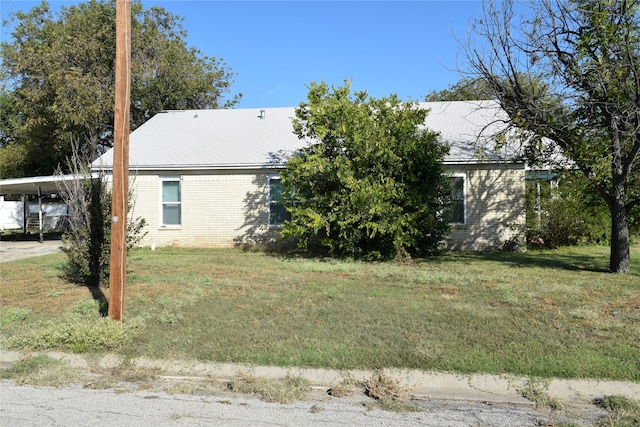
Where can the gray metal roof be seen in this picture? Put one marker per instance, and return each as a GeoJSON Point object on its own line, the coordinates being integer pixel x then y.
{"type": "Point", "coordinates": [240, 138]}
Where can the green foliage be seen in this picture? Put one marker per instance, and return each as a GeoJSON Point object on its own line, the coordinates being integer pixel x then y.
{"type": "Point", "coordinates": [566, 73]}
{"type": "Point", "coordinates": [88, 307]}
{"type": "Point", "coordinates": [14, 315]}
{"type": "Point", "coordinates": [60, 68]}
{"type": "Point", "coordinates": [571, 213]}
{"type": "Point", "coordinates": [79, 333]}
{"type": "Point", "coordinates": [370, 184]}
{"type": "Point", "coordinates": [466, 89]}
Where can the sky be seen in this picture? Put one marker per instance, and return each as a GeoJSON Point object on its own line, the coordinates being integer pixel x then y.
{"type": "Point", "coordinates": [276, 48]}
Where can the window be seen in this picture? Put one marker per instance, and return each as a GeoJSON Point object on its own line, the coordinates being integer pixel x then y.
{"type": "Point", "coordinates": [171, 201]}
{"type": "Point", "coordinates": [277, 212]}
{"type": "Point", "coordinates": [456, 211]}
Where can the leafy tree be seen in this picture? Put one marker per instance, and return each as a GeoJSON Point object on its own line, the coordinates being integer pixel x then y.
{"type": "Point", "coordinates": [60, 77]}
{"type": "Point", "coordinates": [568, 75]}
{"type": "Point", "coordinates": [370, 184]}
{"type": "Point", "coordinates": [466, 89]}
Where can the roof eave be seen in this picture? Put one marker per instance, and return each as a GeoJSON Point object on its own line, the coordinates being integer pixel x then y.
{"type": "Point", "coordinates": [194, 167]}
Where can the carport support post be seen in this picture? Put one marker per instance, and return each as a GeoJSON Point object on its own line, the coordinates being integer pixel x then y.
{"type": "Point", "coordinates": [40, 226]}
{"type": "Point", "coordinates": [25, 214]}
{"type": "Point", "coordinates": [118, 260]}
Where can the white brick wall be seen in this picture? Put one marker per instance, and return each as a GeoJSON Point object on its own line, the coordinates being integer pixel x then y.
{"type": "Point", "coordinates": [495, 208]}
{"type": "Point", "coordinates": [230, 208]}
{"type": "Point", "coordinates": [219, 210]}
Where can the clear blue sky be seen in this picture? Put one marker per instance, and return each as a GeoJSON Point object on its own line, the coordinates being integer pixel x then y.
{"type": "Point", "coordinates": [277, 48]}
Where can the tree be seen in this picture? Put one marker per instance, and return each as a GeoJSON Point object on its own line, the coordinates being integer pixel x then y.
{"type": "Point", "coordinates": [566, 211]}
{"type": "Point", "coordinates": [370, 184]}
{"type": "Point", "coordinates": [568, 75]}
{"type": "Point", "coordinates": [466, 89]}
{"type": "Point", "coordinates": [59, 71]}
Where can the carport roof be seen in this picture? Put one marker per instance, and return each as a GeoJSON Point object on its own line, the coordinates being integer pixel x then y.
{"type": "Point", "coordinates": [30, 185]}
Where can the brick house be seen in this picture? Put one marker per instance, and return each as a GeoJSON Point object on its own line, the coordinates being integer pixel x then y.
{"type": "Point", "coordinates": [210, 178]}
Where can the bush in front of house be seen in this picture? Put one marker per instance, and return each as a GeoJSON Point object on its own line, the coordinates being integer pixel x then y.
{"type": "Point", "coordinates": [87, 241]}
{"type": "Point", "coordinates": [371, 182]}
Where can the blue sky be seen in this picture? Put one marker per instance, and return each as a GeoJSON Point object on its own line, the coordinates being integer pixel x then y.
{"type": "Point", "coordinates": [278, 48]}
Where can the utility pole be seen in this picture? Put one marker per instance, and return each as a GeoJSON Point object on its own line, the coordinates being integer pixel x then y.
{"type": "Point", "coordinates": [120, 188]}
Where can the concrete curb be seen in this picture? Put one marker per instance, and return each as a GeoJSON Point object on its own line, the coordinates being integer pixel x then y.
{"type": "Point", "coordinates": [490, 389]}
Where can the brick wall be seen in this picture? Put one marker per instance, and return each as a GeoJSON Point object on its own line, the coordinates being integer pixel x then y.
{"type": "Point", "coordinates": [230, 208]}
{"type": "Point", "coordinates": [495, 208]}
{"type": "Point", "coordinates": [219, 210]}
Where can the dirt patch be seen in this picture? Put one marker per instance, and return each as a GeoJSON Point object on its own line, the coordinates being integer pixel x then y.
{"type": "Point", "coordinates": [12, 251]}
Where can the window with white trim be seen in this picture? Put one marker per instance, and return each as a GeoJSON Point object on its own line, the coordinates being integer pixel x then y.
{"type": "Point", "coordinates": [171, 209]}
{"type": "Point", "coordinates": [457, 210]}
{"type": "Point", "coordinates": [277, 212]}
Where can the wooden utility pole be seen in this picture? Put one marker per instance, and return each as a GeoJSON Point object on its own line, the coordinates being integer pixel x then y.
{"type": "Point", "coordinates": [120, 189]}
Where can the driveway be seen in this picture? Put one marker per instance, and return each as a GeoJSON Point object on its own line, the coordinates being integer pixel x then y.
{"type": "Point", "coordinates": [11, 251]}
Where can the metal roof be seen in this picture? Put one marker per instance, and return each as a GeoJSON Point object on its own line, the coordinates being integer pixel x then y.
{"type": "Point", "coordinates": [263, 138]}
{"type": "Point", "coordinates": [30, 185]}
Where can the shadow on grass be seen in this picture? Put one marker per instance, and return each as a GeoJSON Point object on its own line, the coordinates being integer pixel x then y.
{"type": "Point", "coordinates": [101, 299]}
{"type": "Point", "coordinates": [19, 236]}
{"type": "Point", "coordinates": [96, 291]}
{"type": "Point", "coordinates": [593, 262]}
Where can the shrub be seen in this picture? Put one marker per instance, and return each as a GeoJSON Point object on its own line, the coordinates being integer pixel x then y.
{"type": "Point", "coordinates": [371, 184]}
{"type": "Point", "coordinates": [569, 213]}
{"type": "Point", "coordinates": [87, 241]}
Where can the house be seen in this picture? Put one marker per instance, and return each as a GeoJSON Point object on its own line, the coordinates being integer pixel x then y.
{"type": "Point", "coordinates": [210, 178]}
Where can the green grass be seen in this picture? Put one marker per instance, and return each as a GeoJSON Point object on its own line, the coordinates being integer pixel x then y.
{"type": "Point", "coordinates": [539, 314]}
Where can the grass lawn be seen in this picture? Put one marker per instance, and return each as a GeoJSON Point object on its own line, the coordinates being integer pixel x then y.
{"type": "Point", "coordinates": [543, 313]}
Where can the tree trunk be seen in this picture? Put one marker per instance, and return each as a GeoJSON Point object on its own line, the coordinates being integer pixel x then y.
{"type": "Point", "coordinates": [619, 260]}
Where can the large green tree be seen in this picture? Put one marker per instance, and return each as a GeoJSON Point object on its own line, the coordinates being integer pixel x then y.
{"type": "Point", "coordinates": [465, 89]}
{"type": "Point", "coordinates": [371, 183]}
{"type": "Point", "coordinates": [58, 72]}
{"type": "Point", "coordinates": [568, 74]}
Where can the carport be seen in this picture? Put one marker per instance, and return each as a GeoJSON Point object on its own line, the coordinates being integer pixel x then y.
{"type": "Point", "coordinates": [39, 186]}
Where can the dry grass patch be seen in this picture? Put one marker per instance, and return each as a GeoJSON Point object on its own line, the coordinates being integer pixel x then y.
{"type": "Point", "coordinates": [281, 390]}
{"type": "Point", "coordinates": [345, 388]}
{"type": "Point", "coordinates": [38, 284]}
{"type": "Point", "coordinates": [382, 386]}
{"type": "Point", "coordinates": [42, 370]}
{"type": "Point", "coordinates": [537, 392]}
{"type": "Point", "coordinates": [389, 395]}
{"type": "Point", "coordinates": [198, 387]}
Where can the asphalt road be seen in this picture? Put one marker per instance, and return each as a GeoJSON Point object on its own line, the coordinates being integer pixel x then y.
{"type": "Point", "coordinates": [24, 405]}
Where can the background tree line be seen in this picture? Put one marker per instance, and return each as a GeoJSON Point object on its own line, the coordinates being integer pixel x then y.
{"type": "Point", "coordinates": [58, 80]}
